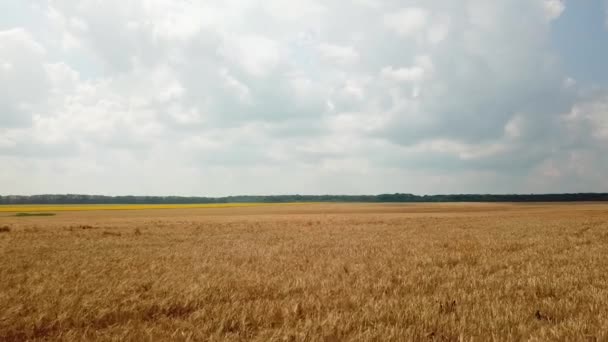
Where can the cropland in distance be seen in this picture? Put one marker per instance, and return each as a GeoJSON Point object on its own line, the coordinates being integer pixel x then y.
{"type": "Point", "coordinates": [19, 208]}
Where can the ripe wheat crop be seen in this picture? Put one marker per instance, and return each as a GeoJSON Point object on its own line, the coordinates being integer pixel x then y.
{"type": "Point", "coordinates": [94, 207]}
{"type": "Point", "coordinates": [451, 272]}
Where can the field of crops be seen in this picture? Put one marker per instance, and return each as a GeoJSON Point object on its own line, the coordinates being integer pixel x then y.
{"type": "Point", "coordinates": [318, 272]}
{"type": "Point", "coordinates": [89, 207]}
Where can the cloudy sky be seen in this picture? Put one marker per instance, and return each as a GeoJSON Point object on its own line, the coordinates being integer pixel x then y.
{"type": "Point", "coordinates": [185, 97]}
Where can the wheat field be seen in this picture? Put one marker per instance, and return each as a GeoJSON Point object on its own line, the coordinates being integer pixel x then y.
{"type": "Point", "coordinates": [316, 272]}
{"type": "Point", "coordinates": [46, 208]}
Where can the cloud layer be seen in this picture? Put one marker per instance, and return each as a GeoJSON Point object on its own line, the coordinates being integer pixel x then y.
{"type": "Point", "coordinates": [272, 97]}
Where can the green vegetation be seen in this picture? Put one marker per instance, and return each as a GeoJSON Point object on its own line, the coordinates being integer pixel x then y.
{"type": "Point", "coordinates": [35, 214]}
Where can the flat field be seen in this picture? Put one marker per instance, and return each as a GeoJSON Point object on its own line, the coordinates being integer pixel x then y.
{"type": "Point", "coordinates": [46, 208]}
{"type": "Point", "coordinates": [310, 272]}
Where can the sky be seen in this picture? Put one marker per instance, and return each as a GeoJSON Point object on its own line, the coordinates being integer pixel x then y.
{"type": "Point", "coordinates": [214, 98]}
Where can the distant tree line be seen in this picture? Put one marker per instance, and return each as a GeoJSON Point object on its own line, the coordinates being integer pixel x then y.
{"type": "Point", "coordinates": [397, 197]}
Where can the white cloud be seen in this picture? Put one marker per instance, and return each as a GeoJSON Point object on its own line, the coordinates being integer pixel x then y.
{"type": "Point", "coordinates": [295, 9]}
{"type": "Point", "coordinates": [403, 74]}
{"type": "Point", "coordinates": [421, 69]}
{"type": "Point", "coordinates": [339, 54]}
{"type": "Point", "coordinates": [407, 21]}
{"type": "Point", "coordinates": [241, 90]}
{"type": "Point", "coordinates": [553, 8]}
{"type": "Point", "coordinates": [438, 32]}
{"type": "Point", "coordinates": [255, 54]}
{"type": "Point", "coordinates": [589, 119]}
{"type": "Point", "coordinates": [23, 78]}
{"type": "Point", "coordinates": [224, 95]}
{"type": "Point", "coordinates": [513, 128]}
{"type": "Point", "coordinates": [370, 3]}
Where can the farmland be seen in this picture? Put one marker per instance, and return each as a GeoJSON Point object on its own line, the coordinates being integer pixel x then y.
{"type": "Point", "coordinates": [308, 272]}
{"type": "Point", "coordinates": [95, 207]}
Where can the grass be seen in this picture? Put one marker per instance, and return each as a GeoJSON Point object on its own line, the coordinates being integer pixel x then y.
{"type": "Point", "coordinates": [94, 207]}
{"type": "Point", "coordinates": [310, 273]}
{"type": "Point", "coordinates": [21, 214]}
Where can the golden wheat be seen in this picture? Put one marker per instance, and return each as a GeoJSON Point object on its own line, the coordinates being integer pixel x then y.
{"type": "Point", "coordinates": [308, 273]}
{"type": "Point", "coordinates": [94, 207]}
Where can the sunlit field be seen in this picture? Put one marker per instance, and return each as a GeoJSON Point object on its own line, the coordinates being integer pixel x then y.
{"type": "Point", "coordinates": [89, 207]}
{"type": "Point", "coordinates": [318, 272]}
